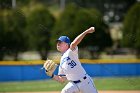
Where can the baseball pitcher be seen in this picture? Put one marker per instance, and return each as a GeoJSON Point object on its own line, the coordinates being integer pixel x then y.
{"type": "Point", "coordinates": [70, 67]}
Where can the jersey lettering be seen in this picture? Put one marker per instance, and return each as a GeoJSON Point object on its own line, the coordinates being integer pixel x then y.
{"type": "Point", "coordinates": [65, 59]}
{"type": "Point", "coordinates": [72, 64]}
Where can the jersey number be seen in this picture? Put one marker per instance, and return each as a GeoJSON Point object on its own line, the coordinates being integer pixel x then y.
{"type": "Point", "coordinates": [72, 64]}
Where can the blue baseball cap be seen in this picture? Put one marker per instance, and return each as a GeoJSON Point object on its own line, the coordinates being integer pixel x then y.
{"type": "Point", "coordinates": [64, 39]}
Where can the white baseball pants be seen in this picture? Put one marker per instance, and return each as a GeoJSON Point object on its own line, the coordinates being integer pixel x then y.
{"type": "Point", "coordinates": [85, 86]}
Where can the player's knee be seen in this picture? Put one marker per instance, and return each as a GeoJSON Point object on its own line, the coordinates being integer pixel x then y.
{"type": "Point", "coordinates": [63, 91]}
{"type": "Point", "coordinates": [66, 91]}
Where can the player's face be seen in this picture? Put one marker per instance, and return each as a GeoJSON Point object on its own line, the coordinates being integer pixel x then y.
{"type": "Point", "coordinates": [62, 46]}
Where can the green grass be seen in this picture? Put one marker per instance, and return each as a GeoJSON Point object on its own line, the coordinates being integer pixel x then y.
{"type": "Point", "coordinates": [126, 83]}
{"type": "Point", "coordinates": [44, 85]}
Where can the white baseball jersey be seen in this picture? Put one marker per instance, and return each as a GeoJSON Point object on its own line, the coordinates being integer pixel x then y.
{"type": "Point", "coordinates": [71, 66]}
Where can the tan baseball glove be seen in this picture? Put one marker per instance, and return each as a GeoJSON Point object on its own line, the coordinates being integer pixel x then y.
{"type": "Point", "coordinates": [50, 67]}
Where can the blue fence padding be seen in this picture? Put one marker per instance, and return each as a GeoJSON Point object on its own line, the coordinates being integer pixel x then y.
{"type": "Point", "coordinates": [129, 69]}
{"type": "Point", "coordinates": [34, 72]}
{"type": "Point", "coordinates": [21, 73]}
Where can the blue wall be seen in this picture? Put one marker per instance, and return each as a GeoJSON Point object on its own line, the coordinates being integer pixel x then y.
{"type": "Point", "coordinates": [122, 69]}
{"type": "Point", "coordinates": [34, 72]}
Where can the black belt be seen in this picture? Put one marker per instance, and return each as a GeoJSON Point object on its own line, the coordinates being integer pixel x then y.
{"type": "Point", "coordinates": [78, 81]}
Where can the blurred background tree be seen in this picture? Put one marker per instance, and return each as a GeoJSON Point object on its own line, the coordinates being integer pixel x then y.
{"type": "Point", "coordinates": [5, 4]}
{"type": "Point", "coordinates": [44, 23]}
{"type": "Point", "coordinates": [1, 36]}
{"type": "Point", "coordinates": [13, 37]}
{"type": "Point", "coordinates": [64, 25]}
{"type": "Point", "coordinates": [131, 29]}
{"type": "Point", "coordinates": [39, 24]}
{"type": "Point", "coordinates": [112, 11]}
{"type": "Point", "coordinates": [74, 20]}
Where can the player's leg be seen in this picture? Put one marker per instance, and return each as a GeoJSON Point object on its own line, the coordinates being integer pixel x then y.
{"type": "Point", "coordinates": [70, 88]}
{"type": "Point", "coordinates": [87, 86]}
